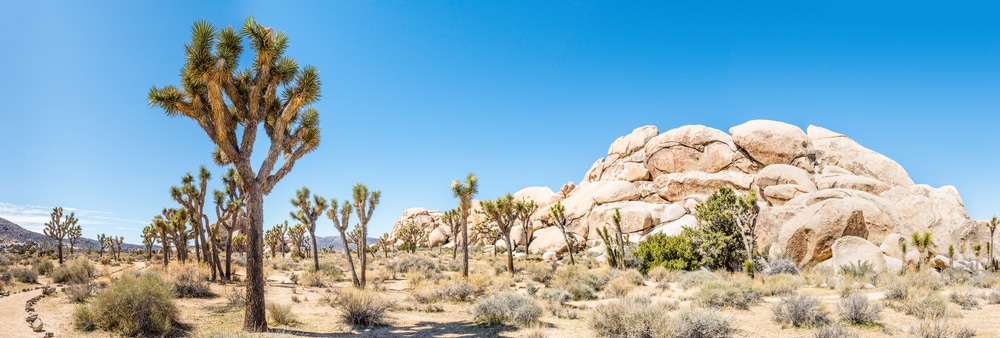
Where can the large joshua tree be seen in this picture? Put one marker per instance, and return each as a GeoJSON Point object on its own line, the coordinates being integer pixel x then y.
{"type": "Point", "coordinates": [341, 224]}
{"type": "Point", "coordinates": [557, 215]}
{"type": "Point", "coordinates": [524, 211]}
{"type": "Point", "coordinates": [228, 206]}
{"type": "Point", "coordinates": [58, 228]}
{"type": "Point", "coordinates": [453, 224]}
{"type": "Point", "coordinates": [992, 225]}
{"type": "Point", "coordinates": [464, 192]}
{"type": "Point", "coordinates": [362, 199]}
{"type": "Point", "coordinates": [231, 105]}
{"type": "Point", "coordinates": [163, 234]}
{"type": "Point", "coordinates": [503, 211]}
{"type": "Point", "coordinates": [297, 234]}
{"type": "Point", "coordinates": [307, 214]}
{"type": "Point", "coordinates": [74, 234]}
{"type": "Point", "coordinates": [192, 199]}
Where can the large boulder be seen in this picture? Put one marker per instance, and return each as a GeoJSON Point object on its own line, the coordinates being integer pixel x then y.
{"type": "Point", "coordinates": [541, 195]}
{"type": "Point", "coordinates": [678, 186]}
{"type": "Point", "coordinates": [637, 217]}
{"type": "Point", "coordinates": [847, 181]}
{"type": "Point", "coordinates": [892, 246]}
{"type": "Point", "coordinates": [693, 148]}
{"type": "Point", "coordinates": [839, 150]}
{"type": "Point", "coordinates": [808, 236]}
{"type": "Point", "coordinates": [436, 237]}
{"type": "Point", "coordinates": [636, 140]}
{"type": "Point", "coordinates": [773, 142]}
{"type": "Point", "coordinates": [780, 183]}
{"type": "Point", "coordinates": [851, 249]}
{"type": "Point", "coordinates": [550, 239]}
{"type": "Point", "coordinates": [672, 228]}
{"type": "Point", "coordinates": [615, 191]}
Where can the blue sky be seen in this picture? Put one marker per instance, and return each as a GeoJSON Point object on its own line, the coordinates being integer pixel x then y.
{"type": "Point", "coordinates": [418, 93]}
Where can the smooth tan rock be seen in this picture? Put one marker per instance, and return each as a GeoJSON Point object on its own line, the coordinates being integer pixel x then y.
{"type": "Point", "coordinates": [851, 249]}
{"type": "Point", "coordinates": [673, 228]}
{"type": "Point", "coordinates": [636, 140]}
{"type": "Point", "coordinates": [690, 148]}
{"type": "Point", "coordinates": [615, 191]}
{"type": "Point", "coordinates": [37, 325]}
{"type": "Point", "coordinates": [866, 184]}
{"type": "Point", "coordinates": [778, 174]}
{"type": "Point", "coordinates": [772, 142]}
{"type": "Point", "coordinates": [892, 246]}
{"type": "Point", "coordinates": [549, 239]}
{"type": "Point", "coordinates": [837, 149]}
{"type": "Point", "coordinates": [549, 256]}
{"type": "Point", "coordinates": [676, 187]}
{"type": "Point", "coordinates": [779, 195]}
{"type": "Point", "coordinates": [893, 265]}
{"type": "Point", "coordinates": [625, 171]}
{"type": "Point", "coordinates": [436, 237]}
{"type": "Point", "coordinates": [940, 262]}
{"type": "Point", "coordinates": [542, 196]}
{"type": "Point", "coordinates": [807, 237]}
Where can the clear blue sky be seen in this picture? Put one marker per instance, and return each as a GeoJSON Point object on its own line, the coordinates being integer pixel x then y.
{"type": "Point", "coordinates": [418, 93]}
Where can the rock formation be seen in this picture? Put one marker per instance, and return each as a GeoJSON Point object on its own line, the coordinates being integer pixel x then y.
{"type": "Point", "coordinates": [821, 194]}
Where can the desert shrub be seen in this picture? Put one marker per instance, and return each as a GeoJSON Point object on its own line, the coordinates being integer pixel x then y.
{"type": "Point", "coordinates": [78, 292]}
{"type": "Point", "coordinates": [733, 294]}
{"type": "Point", "coordinates": [457, 290]}
{"type": "Point", "coordinates": [688, 280]}
{"type": "Point", "coordinates": [506, 308]}
{"type": "Point", "coordinates": [659, 274]}
{"type": "Point", "coordinates": [556, 296]}
{"type": "Point", "coordinates": [331, 270]}
{"type": "Point", "coordinates": [575, 274]}
{"type": "Point", "coordinates": [410, 262]}
{"type": "Point", "coordinates": [632, 276]}
{"type": "Point", "coordinates": [582, 292]}
{"type": "Point", "coordinates": [134, 305]}
{"type": "Point", "coordinates": [701, 323]}
{"type": "Point", "coordinates": [781, 266]}
{"type": "Point", "coordinates": [417, 278]}
{"type": "Point", "coordinates": [857, 310]}
{"type": "Point", "coordinates": [531, 288]}
{"type": "Point", "coordinates": [940, 329]}
{"type": "Point", "coordinates": [6, 276]}
{"type": "Point", "coordinates": [834, 330]}
{"type": "Point", "coordinates": [862, 271]}
{"type": "Point", "coordinates": [984, 281]}
{"type": "Point", "coordinates": [965, 298]}
{"type": "Point", "coordinates": [105, 260]}
{"type": "Point", "coordinates": [800, 311]}
{"type": "Point", "coordinates": [780, 284]}
{"type": "Point", "coordinates": [539, 272]}
{"type": "Point", "coordinates": [25, 275]}
{"type": "Point", "coordinates": [239, 259]}
{"type": "Point", "coordinates": [630, 317]}
{"type": "Point", "coordinates": [4, 260]}
{"type": "Point", "coordinates": [993, 297]}
{"type": "Point", "coordinates": [284, 264]}
{"type": "Point", "coordinates": [281, 314]}
{"type": "Point", "coordinates": [425, 294]}
{"type": "Point", "coordinates": [236, 297]}
{"type": "Point", "coordinates": [897, 290]}
{"type": "Point", "coordinates": [929, 305]}
{"type": "Point", "coordinates": [480, 283]}
{"type": "Point", "coordinates": [923, 280]}
{"type": "Point", "coordinates": [362, 307]}
{"type": "Point", "coordinates": [77, 271]}
{"type": "Point", "coordinates": [190, 280]}
{"type": "Point", "coordinates": [42, 265]}
{"type": "Point", "coordinates": [670, 252]}
{"type": "Point", "coordinates": [619, 286]}
{"type": "Point", "coordinates": [313, 279]}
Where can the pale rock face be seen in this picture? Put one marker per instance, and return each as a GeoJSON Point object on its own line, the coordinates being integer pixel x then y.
{"type": "Point", "coordinates": [675, 187]}
{"type": "Point", "coordinates": [542, 196]}
{"type": "Point", "coordinates": [773, 142]}
{"type": "Point", "coordinates": [807, 237]}
{"type": "Point", "coordinates": [847, 181]}
{"type": "Point", "coordinates": [549, 256]}
{"type": "Point", "coordinates": [436, 237]}
{"type": "Point", "coordinates": [673, 228]}
{"type": "Point", "coordinates": [851, 249]}
{"type": "Point", "coordinates": [625, 171]}
{"type": "Point", "coordinates": [628, 144]}
{"type": "Point", "coordinates": [615, 191]}
{"type": "Point", "coordinates": [636, 216]}
{"type": "Point", "coordinates": [940, 262]}
{"type": "Point", "coordinates": [780, 183]}
{"type": "Point", "coordinates": [549, 239]}
{"type": "Point", "coordinates": [892, 246]}
{"type": "Point", "coordinates": [893, 265]}
{"type": "Point", "coordinates": [837, 149]}
{"type": "Point", "coordinates": [691, 148]}
{"type": "Point", "coordinates": [770, 221]}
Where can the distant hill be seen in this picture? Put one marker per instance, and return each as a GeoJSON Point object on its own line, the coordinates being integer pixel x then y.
{"type": "Point", "coordinates": [338, 244]}
{"type": "Point", "coordinates": [12, 234]}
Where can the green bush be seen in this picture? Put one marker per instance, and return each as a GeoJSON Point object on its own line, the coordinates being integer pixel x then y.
{"type": "Point", "coordinates": [857, 310]}
{"type": "Point", "coordinates": [800, 311]}
{"type": "Point", "coordinates": [701, 323]}
{"type": "Point", "coordinates": [689, 280]}
{"type": "Point", "coordinates": [863, 270]}
{"type": "Point", "coordinates": [630, 317]}
{"type": "Point", "coordinates": [77, 271]}
{"type": "Point", "coordinates": [134, 305]}
{"type": "Point", "coordinates": [506, 308]}
{"type": "Point", "coordinates": [716, 236]}
{"type": "Point", "coordinates": [731, 294]}
{"type": "Point", "coordinates": [42, 265]}
{"type": "Point", "coordinates": [78, 292]}
{"type": "Point", "coordinates": [556, 296]}
{"type": "Point", "coordinates": [281, 314]}
{"type": "Point", "coordinates": [671, 252]}
{"type": "Point", "coordinates": [582, 292]}
{"type": "Point", "coordinates": [362, 307]}
{"type": "Point", "coordinates": [25, 275]}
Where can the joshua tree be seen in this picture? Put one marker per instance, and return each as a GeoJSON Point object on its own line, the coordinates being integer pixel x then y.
{"type": "Point", "coordinates": [411, 235]}
{"type": "Point", "coordinates": [102, 241]}
{"type": "Point", "coordinates": [228, 206]}
{"type": "Point", "coordinates": [119, 240]}
{"type": "Point", "coordinates": [164, 233]}
{"type": "Point", "coordinates": [240, 243]}
{"type": "Point", "coordinates": [557, 213]}
{"type": "Point", "coordinates": [148, 238]}
{"type": "Point", "coordinates": [74, 234]}
{"type": "Point", "coordinates": [524, 211]}
{"type": "Point", "coordinates": [614, 242]}
{"type": "Point", "coordinates": [363, 199]}
{"type": "Point", "coordinates": [453, 224]}
{"type": "Point", "coordinates": [297, 234]}
{"type": "Point", "coordinates": [274, 238]}
{"type": "Point", "coordinates": [922, 242]}
{"type": "Point", "coordinates": [384, 244]}
{"type": "Point", "coordinates": [58, 228]}
{"type": "Point", "coordinates": [226, 100]}
{"type": "Point", "coordinates": [976, 249]}
{"type": "Point", "coordinates": [192, 199]}
{"type": "Point", "coordinates": [464, 193]}
{"type": "Point", "coordinates": [307, 214]}
{"type": "Point", "coordinates": [354, 237]}
{"type": "Point", "coordinates": [992, 225]}
{"type": "Point", "coordinates": [488, 232]}
{"type": "Point", "coordinates": [503, 211]}
{"type": "Point", "coordinates": [341, 225]}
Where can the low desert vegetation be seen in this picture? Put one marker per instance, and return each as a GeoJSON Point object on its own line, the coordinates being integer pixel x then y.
{"type": "Point", "coordinates": [133, 305]}
{"type": "Point", "coordinates": [506, 308]}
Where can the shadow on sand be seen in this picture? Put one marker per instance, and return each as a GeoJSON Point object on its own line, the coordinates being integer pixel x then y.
{"type": "Point", "coordinates": [421, 329]}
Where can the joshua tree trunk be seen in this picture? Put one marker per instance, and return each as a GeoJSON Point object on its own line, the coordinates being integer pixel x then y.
{"type": "Point", "coordinates": [350, 261]}
{"type": "Point", "coordinates": [312, 234]}
{"type": "Point", "coordinates": [254, 319]}
{"type": "Point", "coordinates": [510, 255]}
{"type": "Point", "coordinates": [229, 255]}
{"type": "Point", "coordinates": [60, 251]}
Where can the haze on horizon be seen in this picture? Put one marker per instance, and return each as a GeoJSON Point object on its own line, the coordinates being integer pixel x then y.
{"type": "Point", "coordinates": [520, 93]}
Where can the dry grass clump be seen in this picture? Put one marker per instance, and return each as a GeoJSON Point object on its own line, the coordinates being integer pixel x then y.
{"type": "Point", "coordinates": [631, 317]}
{"type": "Point", "coordinates": [732, 294]}
{"type": "Point", "coordinates": [556, 296]}
{"type": "Point", "coordinates": [781, 266]}
{"type": "Point", "coordinates": [42, 265]}
{"type": "Point", "coordinates": [506, 308]}
{"type": "Point", "coordinates": [857, 310]}
{"type": "Point", "coordinates": [362, 307]}
{"type": "Point", "coordinates": [940, 329]}
{"type": "Point", "coordinates": [582, 292]}
{"type": "Point", "coordinates": [281, 314]}
{"type": "Point", "coordinates": [632, 276]}
{"type": "Point", "coordinates": [780, 284]}
{"type": "Point", "coordinates": [993, 297]}
{"type": "Point", "coordinates": [965, 298]}
{"type": "Point", "coordinates": [25, 275]}
{"type": "Point", "coordinates": [984, 281]}
{"type": "Point", "coordinates": [313, 279]}
{"type": "Point", "coordinates": [701, 323]}
{"type": "Point", "coordinates": [619, 286]}
{"type": "Point", "coordinates": [834, 330]}
{"type": "Point", "coordinates": [575, 274]}
{"type": "Point", "coordinates": [539, 271]}
{"type": "Point", "coordinates": [410, 262]}
{"type": "Point", "coordinates": [927, 305]}
{"type": "Point", "coordinates": [190, 280]}
{"type": "Point", "coordinates": [690, 279]}
{"type": "Point", "coordinates": [78, 292]}
{"type": "Point", "coordinates": [77, 271]}
{"type": "Point", "coordinates": [134, 305]}
{"type": "Point", "coordinates": [659, 274]}
{"type": "Point", "coordinates": [236, 297]}
{"type": "Point", "coordinates": [800, 311]}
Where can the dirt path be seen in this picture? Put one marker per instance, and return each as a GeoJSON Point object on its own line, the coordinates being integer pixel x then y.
{"type": "Point", "coordinates": [12, 315]}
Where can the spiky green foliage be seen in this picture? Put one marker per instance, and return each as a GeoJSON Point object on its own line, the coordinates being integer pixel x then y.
{"type": "Point", "coordinates": [464, 192]}
{"type": "Point", "coordinates": [297, 235]}
{"type": "Point", "coordinates": [557, 216]}
{"type": "Point", "coordinates": [75, 231]}
{"type": "Point", "coordinates": [231, 105]}
{"type": "Point", "coordinates": [922, 241]}
{"type": "Point", "coordinates": [275, 238]}
{"type": "Point", "coordinates": [524, 211]}
{"type": "Point", "coordinates": [671, 252]}
{"type": "Point", "coordinates": [58, 228]}
{"type": "Point", "coordinates": [614, 242]}
{"type": "Point", "coordinates": [308, 212]}
{"type": "Point", "coordinates": [364, 206]}
{"type": "Point", "coordinates": [724, 236]}
{"type": "Point", "coordinates": [148, 239]}
{"type": "Point", "coordinates": [411, 235]}
{"type": "Point", "coordinates": [503, 212]}
{"type": "Point", "coordinates": [192, 200]}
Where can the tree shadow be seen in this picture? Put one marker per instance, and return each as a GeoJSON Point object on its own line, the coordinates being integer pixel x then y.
{"type": "Point", "coordinates": [420, 329]}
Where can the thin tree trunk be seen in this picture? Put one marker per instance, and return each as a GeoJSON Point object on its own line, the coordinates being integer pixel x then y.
{"type": "Point", "coordinates": [229, 255]}
{"type": "Point", "coordinates": [350, 261]}
{"type": "Point", "coordinates": [315, 252]}
{"type": "Point", "coordinates": [510, 256]}
{"type": "Point", "coordinates": [60, 252]}
{"type": "Point", "coordinates": [465, 249]}
{"type": "Point", "coordinates": [254, 319]}
{"type": "Point", "coordinates": [569, 247]}
{"type": "Point", "coordinates": [197, 244]}
{"type": "Point", "coordinates": [364, 256]}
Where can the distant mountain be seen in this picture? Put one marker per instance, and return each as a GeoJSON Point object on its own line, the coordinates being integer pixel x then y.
{"type": "Point", "coordinates": [12, 234]}
{"type": "Point", "coordinates": [338, 244]}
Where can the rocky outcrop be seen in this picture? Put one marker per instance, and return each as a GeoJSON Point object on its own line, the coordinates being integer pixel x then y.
{"type": "Point", "coordinates": [815, 188]}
